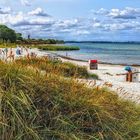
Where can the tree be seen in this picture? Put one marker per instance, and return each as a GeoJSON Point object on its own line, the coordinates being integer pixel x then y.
{"type": "Point", "coordinates": [19, 36]}
{"type": "Point", "coordinates": [7, 34]}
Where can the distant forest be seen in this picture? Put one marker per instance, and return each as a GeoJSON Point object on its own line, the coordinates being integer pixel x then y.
{"type": "Point", "coordinates": [116, 42]}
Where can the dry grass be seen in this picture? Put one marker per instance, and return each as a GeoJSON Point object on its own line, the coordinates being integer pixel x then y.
{"type": "Point", "coordinates": [57, 67]}
{"type": "Point", "coordinates": [50, 107]}
{"type": "Point", "coordinates": [7, 45]}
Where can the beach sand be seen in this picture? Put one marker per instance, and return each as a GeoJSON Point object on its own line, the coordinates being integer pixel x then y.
{"type": "Point", "coordinates": [107, 78]}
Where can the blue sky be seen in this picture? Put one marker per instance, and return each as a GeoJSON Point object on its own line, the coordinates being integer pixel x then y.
{"type": "Point", "coordinates": [111, 20]}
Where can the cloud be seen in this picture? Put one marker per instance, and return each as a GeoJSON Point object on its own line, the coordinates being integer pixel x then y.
{"type": "Point", "coordinates": [66, 24]}
{"type": "Point", "coordinates": [21, 19]}
{"type": "Point", "coordinates": [25, 3]}
{"type": "Point", "coordinates": [38, 12]}
{"type": "Point", "coordinates": [81, 32]}
{"type": "Point", "coordinates": [104, 22]}
{"type": "Point", "coordinates": [101, 11]}
{"type": "Point", "coordinates": [126, 13]}
{"type": "Point", "coordinates": [117, 27]}
{"type": "Point", "coordinates": [5, 10]}
{"type": "Point", "coordinates": [34, 22]}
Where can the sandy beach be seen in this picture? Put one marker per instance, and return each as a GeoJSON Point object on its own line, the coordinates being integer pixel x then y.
{"type": "Point", "coordinates": [69, 70]}
{"type": "Point", "coordinates": [108, 78]}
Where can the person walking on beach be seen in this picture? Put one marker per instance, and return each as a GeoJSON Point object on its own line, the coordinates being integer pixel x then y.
{"type": "Point", "coordinates": [11, 55]}
{"type": "Point", "coordinates": [21, 49]}
{"type": "Point", "coordinates": [6, 52]}
{"type": "Point", "coordinates": [27, 51]}
{"type": "Point", "coordinates": [2, 54]}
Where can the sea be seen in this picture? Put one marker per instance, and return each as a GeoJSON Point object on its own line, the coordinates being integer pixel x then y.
{"type": "Point", "coordinates": [115, 53]}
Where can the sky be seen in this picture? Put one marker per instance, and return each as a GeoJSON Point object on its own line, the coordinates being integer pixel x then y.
{"type": "Point", "coordinates": [79, 20]}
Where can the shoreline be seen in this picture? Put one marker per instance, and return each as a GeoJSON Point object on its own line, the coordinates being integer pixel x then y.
{"type": "Point", "coordinates": [107, 76]}
{"type": "Point", "coordinates": [38, 52]}
{"type": "Point", "coordinates": [109, 79]}
{"type": "Point", "coordinates": [100, 62]}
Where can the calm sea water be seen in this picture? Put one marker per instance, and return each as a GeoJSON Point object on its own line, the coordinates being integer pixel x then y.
{"type": "Point", "coordinates": [106, 52]}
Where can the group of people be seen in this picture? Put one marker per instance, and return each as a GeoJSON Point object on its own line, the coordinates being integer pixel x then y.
{"type": "Point", "coordinates": [9, 54]}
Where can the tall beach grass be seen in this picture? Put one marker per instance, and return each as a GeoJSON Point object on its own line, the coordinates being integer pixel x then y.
{"type": "Point", "coordinates": [57, 67]}
{"type": "Point", "coordinates": [50, 107]}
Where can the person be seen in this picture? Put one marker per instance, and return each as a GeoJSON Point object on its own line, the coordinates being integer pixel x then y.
{"type": "Point", "coordinates": [0, 51]}
{"type": "Point", "coordinates": [18, 50]}
{"type": "Point", "coordinates": [11, 55]}
{"type": "Point", "coordinates": [28, 54]}
{"type": "Point", "coordinates": [33, 55]}
{"type": "Point", "coordinates": [6, 52]}
{"type": "Point", "coordinates": [21, 49]}
{"type": "Point", "coordinates": [2, 54]}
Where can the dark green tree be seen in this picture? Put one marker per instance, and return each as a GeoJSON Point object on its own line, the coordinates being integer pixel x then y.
{"type": "Point", "coordinates": [19, 36]}
{"type": "Point", "coordinates": [7, 34]}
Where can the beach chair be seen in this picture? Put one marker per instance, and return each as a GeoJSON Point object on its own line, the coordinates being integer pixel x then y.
{"type": "Point", "coordinates": [93, 64]}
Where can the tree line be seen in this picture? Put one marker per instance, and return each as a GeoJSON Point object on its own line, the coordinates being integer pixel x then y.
{"type": "Point", "coordinates": [8, 35]}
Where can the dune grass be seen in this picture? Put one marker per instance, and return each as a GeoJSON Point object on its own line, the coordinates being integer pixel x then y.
{"type": "Point", "coordinates": [57, 48]}
{"type": "Point", "coordinates": [7, 45]}
{"type": "Point", "coordinates": [49, 107]}
{"type": "Point", "coordinates": [43, 47]}
{"type": "Point", "coordinates": [57, 67]}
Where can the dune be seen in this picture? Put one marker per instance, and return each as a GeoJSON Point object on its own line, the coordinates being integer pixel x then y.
{"type": "Point", "coordinates": [107, 77]}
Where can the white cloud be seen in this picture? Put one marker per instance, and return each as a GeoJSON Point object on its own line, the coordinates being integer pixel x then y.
{"type": "Point", "coordinates": [101, 11]}
{"type": "Point", "coordinates": [66, 24]}
{"type": "Point", "coordinates": [126, 13]}
{"type": "Point", "coordinates": [39, 24]}
{"type": "Point", "coordinates": [38, 12]}
{"type": "Point", "coordinates": [21, 19]}
{"type": "Point", "coordinates": [82, 32]}
{"type": "Point", "coordinates": [5, 10]}
{"type": "Point", "coordinates": [25, 2]}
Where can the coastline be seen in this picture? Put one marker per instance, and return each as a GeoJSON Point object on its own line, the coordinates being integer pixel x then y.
{"type": "Point", "coordinates": [107, 76]}
{"type": "Point", "coordinates": [109, 79]}
{"type": "Point", "coordinates": [100, 62]}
